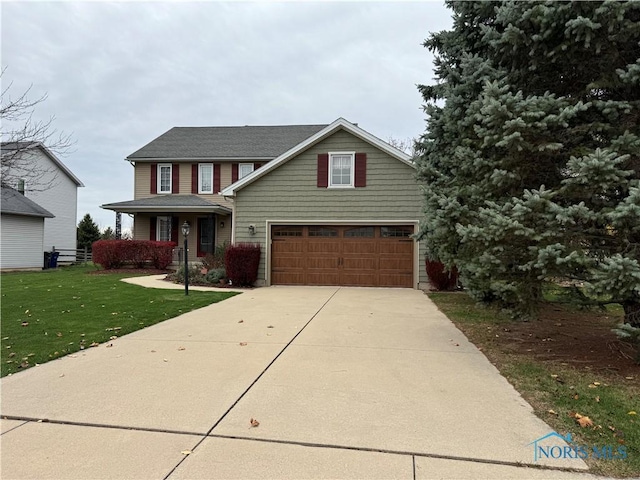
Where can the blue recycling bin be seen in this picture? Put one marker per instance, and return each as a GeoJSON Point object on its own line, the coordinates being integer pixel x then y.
{"type": "Point", "coordinates": [53, 262]}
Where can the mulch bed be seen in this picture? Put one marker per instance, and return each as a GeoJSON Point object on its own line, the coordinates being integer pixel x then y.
{"type": "Point", "coordinates": [132, 271]}
{"type": "Point", "coordinates": [582, 339]}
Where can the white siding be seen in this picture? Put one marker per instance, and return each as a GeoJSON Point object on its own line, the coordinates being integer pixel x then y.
{"type": "Point", "coordinates": [61, 200]}
{"type": "Point", "coordinates": [21, 240]}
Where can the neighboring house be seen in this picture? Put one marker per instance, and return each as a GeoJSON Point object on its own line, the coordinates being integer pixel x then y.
{"type": "Point", "coordinates": [54, 187]}
{"type": "Point", "coordinates": [329, 204]}
{"type": "Point", "coordinates": [21, 231]}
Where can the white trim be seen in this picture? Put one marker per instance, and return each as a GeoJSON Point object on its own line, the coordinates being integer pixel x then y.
{"type": "Point", "coordinates": [270, 223]}
{"type": "Point", "coordinates": [352, 174]}
{"type": "Point", "coordinates": [219, 209]}
{"type": "Point", "coordinates": [340, 123]}
{"type": "Point", "coordinates": [200, 190]}
{"type": "Point", "coordinates": [159, 178]}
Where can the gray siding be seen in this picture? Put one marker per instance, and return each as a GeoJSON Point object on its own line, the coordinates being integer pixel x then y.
{"type": "Point", "coordinates": [21, 242]}
{"type": "Point", "coordinates": [289, 193]}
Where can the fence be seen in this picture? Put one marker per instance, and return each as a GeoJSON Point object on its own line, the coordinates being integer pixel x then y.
{"type": "Point", "coordinates": [70, 256]}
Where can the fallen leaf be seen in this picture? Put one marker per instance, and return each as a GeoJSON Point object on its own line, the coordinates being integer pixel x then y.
{"type": "Point", "coordinates": [153, 351]}
{"type": "Point", "coordinates": [597, 399]}
{"type": "Point", "coordinates": [186, 452]}
{"type": "Point", "coordinates": [576, 396]}
{"type": "Point", "coordinates": [94, 344]}
{"type": "Point", "coordinates": [112, 337]}
{"type": "Point", "coordinates": [243, 344]}
{"type": "Point", "coordinates": [181, 348]}
{"type": "Point", "coordinates": [585, 422]}
{"type": "Point", "coordinates": [269, 326]}
{"type": "Point", "coordinates": [629, 378]}
{"type": "Point", "coordinates": [632, 412]}
{"type": "Point", "coordinates": [12, 354]}
{"type": "Point", "coordinates": [596, 383]}
{"type": "Point", "coordinates": [553, 412]}
{"type": "Point", "coordinates": [165, 360]}
{"type": "Point", "coordinates": [61, 375]}
{"type": "Point", "coordinates": [109, 345]}
{"type": "Point", "coordinates": [25, 324]}
{"type": "Point", "coordinates": [59, 334]}
{"type": "Point", "coordinates": [240, 321]}
{"type": "Point", "coordinates": [254, 422]}
{"type": "Point", "coordinates": [554, 376]}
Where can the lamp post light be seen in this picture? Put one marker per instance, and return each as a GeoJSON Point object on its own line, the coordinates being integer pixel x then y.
{"type": "Point", "coordinates": [185, 233]}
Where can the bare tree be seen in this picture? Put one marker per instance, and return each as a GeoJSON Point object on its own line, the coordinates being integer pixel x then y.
{"type": "Point", "coordinates": [407, 145]}
{"type": "Point", "coordinates": [20, 134]}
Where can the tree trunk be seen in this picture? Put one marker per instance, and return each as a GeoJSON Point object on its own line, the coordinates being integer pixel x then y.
{"type": "Point", "coordinates": [632, 313]}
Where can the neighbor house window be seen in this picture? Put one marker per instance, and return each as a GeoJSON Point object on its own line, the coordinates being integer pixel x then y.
{"type": "Point", "coordinates": [164, 178]}
{"type": "Point", "coordinates": [341, 169]}
{"type": "Point", "coordinates": [163, 229]}
{"type": "Point", "coordinates": [245, 169]}
{"type": "Point", "coordinates": [21, 186]}
{"type": "Point", "coordinates": [206, 178]}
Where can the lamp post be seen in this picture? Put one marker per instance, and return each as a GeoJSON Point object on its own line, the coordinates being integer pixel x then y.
{"type": "Point", "coordinates": [185, 233]}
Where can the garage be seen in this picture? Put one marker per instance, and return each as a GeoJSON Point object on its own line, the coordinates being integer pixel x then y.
{"type": "Point", "coordinates": [345, 255]}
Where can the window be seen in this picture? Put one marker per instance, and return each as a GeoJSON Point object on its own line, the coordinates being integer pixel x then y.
{"type": "Point", "coordinates": [21, 186]}
{"type": "Point", "coordinates": [287, 231]}
{"type": "Point", "coordinates": [359, 232]}
{"type": "Point", "coordinates": [205, 183]}
{"type": "Point", "coordinates": [389, 232]}
{"type": "Point", "coordinates": [323, 232]}
{"type": "Point", "coordinates": [164, 178]}
{"type": "Point", "coordinates": [245, 169]}
{"type": "Point", "coordinates": [341, 169]}
{"type": "Point", "coordinates": [163, 229]}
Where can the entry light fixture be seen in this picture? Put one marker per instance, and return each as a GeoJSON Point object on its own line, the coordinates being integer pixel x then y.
{"type": "Point", "coordinates": [252, 229]}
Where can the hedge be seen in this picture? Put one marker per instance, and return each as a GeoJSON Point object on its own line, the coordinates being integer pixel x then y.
{"type": "Point", "coordinates": [241, 263]}
{"type": "Point", "coordinates": [139, 253]}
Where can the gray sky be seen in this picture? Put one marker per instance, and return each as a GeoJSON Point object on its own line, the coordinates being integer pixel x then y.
{"type": "Point", "coordinates": [118, 75]}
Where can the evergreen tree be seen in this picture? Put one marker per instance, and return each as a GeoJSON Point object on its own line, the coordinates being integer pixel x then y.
{"type": "Point", "coordinates": [108, 234]}
{"type": "Point", "coordinates": [531, 158]}
{"type": "Point", "coordinates": [87, 232]}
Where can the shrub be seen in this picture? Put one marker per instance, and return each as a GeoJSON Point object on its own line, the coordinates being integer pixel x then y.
{"type": "Point", "coordinates": [241, 262]}
{"type": "Point", "coordinates": [195, 275]}
{"type": "Point", "coordinates": [215, 275]}
{"type": "Point", "coordinates": [215, 259]}
{"type": "Point", "coordinates": [439, 277]}
{"type": "Point", "coordinates": [116, 253]}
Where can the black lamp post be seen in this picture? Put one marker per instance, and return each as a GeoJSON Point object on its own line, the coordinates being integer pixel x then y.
{"type": "Point", "coordinates": [185, 233]}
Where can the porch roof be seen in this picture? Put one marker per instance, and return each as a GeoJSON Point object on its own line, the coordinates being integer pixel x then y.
{"type": "Point", "coordinates": [168, 204]}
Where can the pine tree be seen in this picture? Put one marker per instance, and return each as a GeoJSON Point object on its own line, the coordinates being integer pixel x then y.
{"type": "Point", "coordinates": [87, 232]}
{"type": "Point", "coordinates": [108, 234]}
{"type": "Point", "coordinates": [531, 158]}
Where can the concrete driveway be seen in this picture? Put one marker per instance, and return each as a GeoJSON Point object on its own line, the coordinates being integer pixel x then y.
{"type": "Point", "coordinates": [344, 382]}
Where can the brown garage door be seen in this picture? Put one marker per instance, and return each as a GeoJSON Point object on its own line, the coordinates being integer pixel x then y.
{"type": "Point", "coordinates": [372, 256]}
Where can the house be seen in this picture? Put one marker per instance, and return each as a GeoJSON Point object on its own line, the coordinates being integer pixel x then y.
{"type": "Point", "coordinates": [42, 177]}
{"type": "Point", "coordinates": [22, 231]}
{"type": "Point", "coordinates": [329, 204]}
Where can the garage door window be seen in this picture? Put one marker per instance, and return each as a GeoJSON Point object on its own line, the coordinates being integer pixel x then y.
{"type": "Point", "coordinates": [322, 232]}
{"type": "Point", "coordinates": [287, 232]}
{"type": "Point", "coordinates": [394, 232]}
{"type": "Point", "coordinates": [366, 232]}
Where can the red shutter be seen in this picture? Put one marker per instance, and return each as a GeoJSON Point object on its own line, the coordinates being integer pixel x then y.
{"type": "Point", "coordinates": [361, 170]}
{"type": "Point", "coordinates": [154, 179]}
{"type": "Point", "coordinates": [175, 178]}
{"type": "Point", "coordinates": [257, 166]}
{"type": "Point", "coordinates": [174, 229]}
{"type": "Point", "coordinates": [194, 178]}
{"type": "Point", "coordinates": [234, 173]}
{"type": "Point", "coordinates": [216, 178]}
{"type": "Point", "coordinates": [323, 170]}
{"type": "Point", "coordinates": [152, 228]}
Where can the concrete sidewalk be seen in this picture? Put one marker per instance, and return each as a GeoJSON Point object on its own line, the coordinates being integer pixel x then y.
{"type": "Point", "coordinates": [345, 382]}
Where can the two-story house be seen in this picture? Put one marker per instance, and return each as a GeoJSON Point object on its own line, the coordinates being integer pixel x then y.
{"type": "Point", "coordinates": [329, 204]}
{"type": "Point", "coordinates": [38, 174]}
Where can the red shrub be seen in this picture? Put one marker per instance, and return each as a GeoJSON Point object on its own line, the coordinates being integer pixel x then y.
{"type": "Point", "coordinates": [439, 277]}
{"type": "Point", "coordinates": [241, 263]}
{"type": "Point", "coordinates": [116, 253]}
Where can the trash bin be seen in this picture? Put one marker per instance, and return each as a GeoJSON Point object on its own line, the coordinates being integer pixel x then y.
{"type": "Point", "coordinates": [53, 263]}
{"type": "Point", "coordinates": [47, 260]}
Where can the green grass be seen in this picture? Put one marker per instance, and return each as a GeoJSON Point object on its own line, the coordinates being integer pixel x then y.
{"type": "Point", "coordinates": [560, 388]}
{"type": "Point", "coordinates": [49, 314]}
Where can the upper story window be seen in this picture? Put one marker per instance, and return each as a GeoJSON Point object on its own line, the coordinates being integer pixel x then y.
{"type": "Point", "coordinates": [164, 178]}
{"type": "Point", "coordinates": [341, 169]}
{"type": "Point", "coordinates": [244, 169]}
{"type": "Point", "coordinates": [205, 175]}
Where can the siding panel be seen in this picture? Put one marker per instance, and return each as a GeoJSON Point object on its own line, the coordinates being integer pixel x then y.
{"type": "Point", "coordinates": [21, 242]}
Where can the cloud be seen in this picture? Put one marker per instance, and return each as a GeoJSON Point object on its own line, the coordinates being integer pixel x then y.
{"type": "Point", "coordinates": [120, 74]}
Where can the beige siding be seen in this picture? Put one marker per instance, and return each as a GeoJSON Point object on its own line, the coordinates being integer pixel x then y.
{"type": "Point", "coordinates": [290, 193]}
{"type": "Point", "coordinates": [141, 227]}
{"type": "Point", "coordinates": [142, 181]}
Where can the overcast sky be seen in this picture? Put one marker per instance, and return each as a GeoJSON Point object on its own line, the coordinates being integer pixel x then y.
{"type": "Point", "coordinates": [119, 75]}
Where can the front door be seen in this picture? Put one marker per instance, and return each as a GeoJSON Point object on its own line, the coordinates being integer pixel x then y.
{"type": "Point", "coordinates": [206, 235]}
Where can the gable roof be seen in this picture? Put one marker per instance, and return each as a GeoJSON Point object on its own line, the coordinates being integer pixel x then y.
{"type": "Point", "coordinates": [248, 142]}
{"type": "Point", "coordinates": [14, 146]}
{"type": "Point", "coordinates": [13, 202]}
{"type": "Point", "coordinates": [339, 124]}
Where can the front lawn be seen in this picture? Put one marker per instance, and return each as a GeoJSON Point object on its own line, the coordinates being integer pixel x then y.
{"type": "Point", "coordinates": [49, 314]}
{"type": "Point", "coordinates": [566, 363]}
